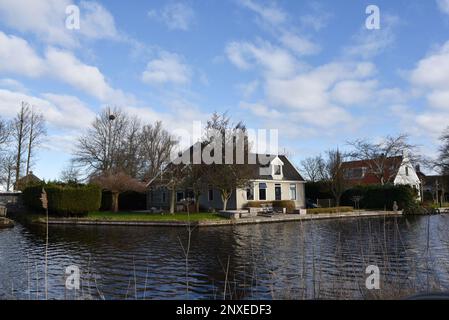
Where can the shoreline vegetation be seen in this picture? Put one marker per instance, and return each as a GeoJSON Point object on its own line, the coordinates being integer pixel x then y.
{"type": "Point", "coordinates": [196, 219]}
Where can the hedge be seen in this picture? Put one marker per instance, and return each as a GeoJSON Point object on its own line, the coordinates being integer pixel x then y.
{"type": "Point", "coordinates": [330, 210]}
{"type": "Point", "coordinates": [381, 196]}
{"type": "Point", "coordinates": [288, 204]}
{"type": "Point", "coordinates": [64, 200]}
{"type": "Point", "coordinates": [317, 190]}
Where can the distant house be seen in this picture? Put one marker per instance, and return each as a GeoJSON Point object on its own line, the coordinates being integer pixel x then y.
{"type": "Point", "coordinates": [25, 181]}
{"type": "Point", "coordinates": [9, 198]}
{"type": "Point", "coordinates": [433, 183]}
{"type": "Point", "coordinates": [277, 180]}
{"type": "Point", "coordinates": [397, 170]}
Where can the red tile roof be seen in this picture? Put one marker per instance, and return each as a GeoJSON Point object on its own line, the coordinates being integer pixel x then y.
{"type": "Point", "coordinates": [391, 168]}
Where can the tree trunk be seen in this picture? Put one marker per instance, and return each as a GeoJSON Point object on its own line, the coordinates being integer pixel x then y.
{"type": "Point", "coordinates": [30, 143]}
{"type": "Point", "coordinates": [8, 180]}
{"type": "Point", "coordinates": [19, 146]}
{"type": "Point", "coordinates": [337, 201]}
{"type": "Point", "coordinates": [225, 198]}
{"type": "Point", "coordinates": [172, 201]}
{"type": "Point", "coordinates": [197, 202]}
{"type": "Point", "coordinates": [115, 201]}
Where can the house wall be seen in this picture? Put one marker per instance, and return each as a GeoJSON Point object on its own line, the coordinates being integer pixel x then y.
{"type": "Point", "coordinates": [217, 203]}
{"type": "Point", "coordinates": [155, 199]}
{"type": "Point", "coordinates": [411, 179]}
{"type": "Point", "coordinates": [285, 192]}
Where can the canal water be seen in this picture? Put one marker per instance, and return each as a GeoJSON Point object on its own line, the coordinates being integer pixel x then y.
{"type": "Point", "coordinates": [325, 259]}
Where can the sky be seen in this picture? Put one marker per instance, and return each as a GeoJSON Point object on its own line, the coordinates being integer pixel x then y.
{"type": "Point", "coordinates": [310, 69]}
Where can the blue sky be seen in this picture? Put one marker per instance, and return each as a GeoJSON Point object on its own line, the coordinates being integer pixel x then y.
{"type": "Point", "coordinates": [310, 69]}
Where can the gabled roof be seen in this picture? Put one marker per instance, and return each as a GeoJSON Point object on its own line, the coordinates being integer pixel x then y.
{"type": "Point", "coordinates": [391, 168]}
{"type": "Point", "coordinates": [290, 173]}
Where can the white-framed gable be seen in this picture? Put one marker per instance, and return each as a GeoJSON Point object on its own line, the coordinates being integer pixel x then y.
{"type": "Point", "coordinates": [407, 176]}
{"type": "Point", "coordinates": [276, 166]}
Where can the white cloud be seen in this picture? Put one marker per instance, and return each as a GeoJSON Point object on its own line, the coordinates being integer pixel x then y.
{"type": "Point", "coordinates": [312, 90]}
{"type": "Point", "coordinates": [58, 64]}
{"type": "Point", "coordinates": [46, 19]}
{"type": "Point", "coordinates": [433, 70]}
{"type": "Point", "coordinates": [369, 43]}
{"type": "Point", "coordinates": [274, 60]}
{"type": "Point", "coordinates": [18, 57]}
{"type": "Point", "coordinates": [431, 75]}
{"type": "Point", "coordinates": [300, 45]}
{"type": "Point", "coordinates": [430, 78]}
{"type": "Point", "coordinates": [97, 22]}
{"type": "Point", "coordinates": [60, 111]}
{"type": "Point", "coordinates": [350, 92]}
{"type": "Point", "coordinates": [12, 84]}
{"type": "Point", "coordinates": [271, 14]}
{"type": "Point", "coordinates": [443, 5]}
{"type": "Point", "coordinates": [260, 110]}
{"type": "Point", "coordinates": [167, 68]}
{"type": "Point", "coordinates": [64, 66]}
{"type": "Point", "coordinates": [176, 16]}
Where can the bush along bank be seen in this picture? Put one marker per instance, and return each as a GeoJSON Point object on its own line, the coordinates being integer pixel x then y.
{"type": "Point", "coordinates": [381, 197]}
{"type": "Point", "coordinates": [64, 200]}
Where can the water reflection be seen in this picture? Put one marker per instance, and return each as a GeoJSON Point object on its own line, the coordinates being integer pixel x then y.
{"type": "Point", "coordinates": [295, 260]}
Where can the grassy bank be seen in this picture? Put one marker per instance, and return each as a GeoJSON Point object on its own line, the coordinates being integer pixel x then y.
{"type": "Point", "coordinates": [145, 217]}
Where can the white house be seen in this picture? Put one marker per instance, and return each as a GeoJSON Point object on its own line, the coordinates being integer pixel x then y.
{"type": "Point", "coordinates": [276, 180]}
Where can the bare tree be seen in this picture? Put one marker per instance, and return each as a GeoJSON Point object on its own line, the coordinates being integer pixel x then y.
{"type": "Point", "coordinates": [221, 135]}
{"type": "Point", "coordinates": [7, 168]}
{"type": "Point", "coordinates": [99, 149]}
{"type": "Point", "coordinates": [20, 135]}
{"type": "Point", "coordinates": [156, 147]}
{"type": "Point", "coordinates": [196, 179]}
{"type": "Point", "coordinates": [117, 183]}
{"type": "Point", "coordinates": [382, 159]}
{"type": "Point", "coordinates": [37, 131]}
{"type": "Point", "coordinates": [171, 177]}
{"type": "Point", "coordinates": [443, 158]}
{"type": "Point", "coordinates": [129, 158]}
{"type": "Point", "coordinates": [70, 174]}
{"type": "Point", "coordinates": [335, 174]}
{"type": "Point", "coordinates": [5, 131]}
{"type": "Point", "coordinates": [314, 168]}
{"type": "Point", "coordinates": [442, 167]}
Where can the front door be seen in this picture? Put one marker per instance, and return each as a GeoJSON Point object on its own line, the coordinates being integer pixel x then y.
{"type": "Point", "coordinates": [277, 192]}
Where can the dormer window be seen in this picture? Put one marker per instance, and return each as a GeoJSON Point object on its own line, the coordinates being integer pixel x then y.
{"type": "Point", "coordinates": [277, 170]}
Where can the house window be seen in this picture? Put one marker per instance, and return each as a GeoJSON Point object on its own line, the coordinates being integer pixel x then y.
{"type": "Point", "coordinates": [277, 192]}
{"type": "Point", "coordinates": [179, 196]}
{"type": "Point", "coordinates": [250, 193]}
{"type": "Point", "coordinates": [354, 173]}
{"type": "Point", "coordinates": [211, 195]}
{"type": "Point", "coordinates": [262, 191]}
{"type": "Point", "coordinates": [277, 170]}
{"type": "Point", "coordinates": [292, 191]}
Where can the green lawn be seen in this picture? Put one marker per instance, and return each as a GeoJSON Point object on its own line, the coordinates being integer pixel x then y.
{"type": "Point", "coordinates": [136, 216]}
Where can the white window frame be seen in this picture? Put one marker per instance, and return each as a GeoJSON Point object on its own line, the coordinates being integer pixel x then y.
{"type": "Point", "coordinates": [293, 187]}
{"type": "Point", "coordinates": [265, 188]}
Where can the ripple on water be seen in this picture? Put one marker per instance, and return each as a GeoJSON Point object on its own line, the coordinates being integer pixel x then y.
{"type": "Point", "coordinates": [282, 260]}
